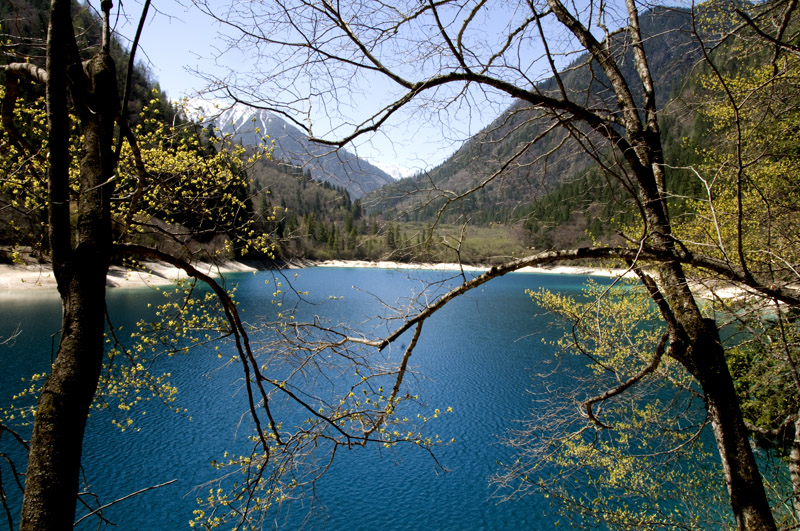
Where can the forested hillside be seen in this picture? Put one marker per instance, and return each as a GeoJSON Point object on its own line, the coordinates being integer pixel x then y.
{"type": "Point", "coordinates": [666, 143]}
{"type": "Point", "coordinates": [550, 185]}
{"type": "Point", "coordinates": [295, 197]}
{"type": "Point", "coordinates": [544, 198]}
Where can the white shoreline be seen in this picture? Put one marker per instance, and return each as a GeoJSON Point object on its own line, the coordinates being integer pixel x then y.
{"type": "Point", "coordinates": [37, 280]}
{"type": "Point", "coordinates": [557, 270]}
{"type": "Point", "coordinates": [39, 277]}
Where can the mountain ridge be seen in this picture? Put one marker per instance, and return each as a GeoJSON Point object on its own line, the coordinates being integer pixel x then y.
{"type": "Point", "coordinates": [671, 51]}
{"type": "Point", "coordinates": [250, 126]}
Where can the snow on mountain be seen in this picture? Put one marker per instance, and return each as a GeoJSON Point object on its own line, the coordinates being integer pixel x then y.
{"type": "Point", "coordinates": [396, 171]}
{"type": "Point", "coordinates": [249, 126]}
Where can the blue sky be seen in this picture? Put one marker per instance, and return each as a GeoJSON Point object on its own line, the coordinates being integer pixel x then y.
{"type": "Point", "coordinates": [175, 38]}
{"type": "Point", "coordinates": [178, 38]}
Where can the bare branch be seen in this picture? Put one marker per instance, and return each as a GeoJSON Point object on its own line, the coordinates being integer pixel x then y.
{"type": "Point", "coordinates": [786, 295]}
{"type": "Point", "coordinates": [129, 79]}
{"type": "Point", "coordinates": [118, 500]}
{"type": "Point", "coordinates": [28, 70]}
{"type": "Point", "coordinates": [240, 334]}
{"type": "Point", "coordinates": [776, 41]}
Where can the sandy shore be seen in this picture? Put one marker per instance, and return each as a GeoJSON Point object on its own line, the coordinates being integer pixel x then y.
{"type": "Point", "coordinates": [40, 276]}
{"type": "Point", "coordinates": [560, 270]}
{"type": "Point", "coordinates": [708, 290]}
{"type": "Point", "coordinates": [30, 279]}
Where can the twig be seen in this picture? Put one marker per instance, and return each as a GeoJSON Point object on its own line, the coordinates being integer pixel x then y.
{"type": "Point", "coordinates": [131, 495]}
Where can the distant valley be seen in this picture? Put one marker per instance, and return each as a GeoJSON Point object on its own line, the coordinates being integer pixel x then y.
{"type": "Point", "coordinates": [318, 203]}
{"type": "Point", "coordinates": [337, 205]}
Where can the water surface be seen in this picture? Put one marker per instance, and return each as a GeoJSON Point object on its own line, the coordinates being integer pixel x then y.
{"type": "Point", "coordinates": [477, 356]}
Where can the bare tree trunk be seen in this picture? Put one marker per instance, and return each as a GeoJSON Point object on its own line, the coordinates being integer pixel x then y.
{"type": "Point", "coordinates": [80, 264]}
{"type": "Point", "coordinates": [699, 349]}
{"type": "Point", "coordinates": [742, 476]}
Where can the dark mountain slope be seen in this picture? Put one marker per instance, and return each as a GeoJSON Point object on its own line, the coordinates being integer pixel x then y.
{"type": "Point", "coordinates": [547, 159]}
{"type": "Point", "coordinates": [340, 168]}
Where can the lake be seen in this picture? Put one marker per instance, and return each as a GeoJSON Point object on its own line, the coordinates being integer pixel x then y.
{"type": "Point", "coordinates": [478, 356]}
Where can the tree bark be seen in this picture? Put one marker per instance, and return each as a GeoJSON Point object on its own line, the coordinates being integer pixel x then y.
{"type": "Point", "coordinates": [700, 351]}
{"type": "Point", "coordinates": [54, 460]}
{"type": "Point", "coordinates": [706, 361]}
{"type": "Point", "coordinates": [80, 265]}
{"type": "Point", "coordinates": [794, 467]}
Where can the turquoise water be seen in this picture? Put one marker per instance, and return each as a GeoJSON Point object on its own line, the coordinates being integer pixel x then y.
{"type": "Point", "coordinates": [477, 356]}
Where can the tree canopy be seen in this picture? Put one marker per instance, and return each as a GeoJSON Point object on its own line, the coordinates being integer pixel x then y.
{"type": "Point", "coordinates": [438, 56]}
{"type": "Point", "coordinates": [109, 190]}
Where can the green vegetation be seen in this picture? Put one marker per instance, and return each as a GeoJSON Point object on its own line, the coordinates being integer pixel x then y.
{"type": "Point", "coordinates": [316, 220]}
{"type": "Point", "coordinates": [696, 186]}
{"type": "Point", "coordinates": [632, 437]}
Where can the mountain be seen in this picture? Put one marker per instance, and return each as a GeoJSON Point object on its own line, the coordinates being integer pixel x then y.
{"type": "Point", "coordinates": [338, 167]}
{"type": "Point", "coordinates": [553, 159]}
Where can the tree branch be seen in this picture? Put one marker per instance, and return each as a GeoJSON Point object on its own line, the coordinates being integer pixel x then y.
{"type": "Point", "coordinates": [786, 295]}
{"type": "Point", "coordinates": [127, 496]}
{"type": "Point", "coordinates": [769, 38]}
{"type": "Point", "coordinates": [240, 334]}
{"type": "Point", "coordinates": [28, 70]}
{"type": "Point", "coordinates": [653, 365]}
{"type": "Point", "coordinates": [129, 76]}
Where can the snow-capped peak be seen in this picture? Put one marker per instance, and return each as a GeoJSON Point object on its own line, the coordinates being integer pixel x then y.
{"type": "Point", "coordinates": [237, 114]}
{"type": "Point", "coordinates": [395, 171]}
